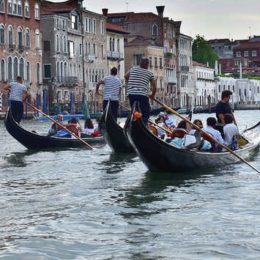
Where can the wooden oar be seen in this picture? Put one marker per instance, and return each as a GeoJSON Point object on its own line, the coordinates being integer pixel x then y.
{"type": "Point", "coordinates": [250, 128]}
{"type": "Point", "coordinates": [150, 121]}
{"type": "Point", "coordinates": [56, 122]}
{"type": "Point", "coordinates": [205, 133]}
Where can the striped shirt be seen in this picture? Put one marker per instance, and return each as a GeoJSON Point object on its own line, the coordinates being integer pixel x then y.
{"type": "Point", "coordinates": [112, 85]}
{"type": "Point", "coordinates": [138, 83]}
{"type": "Point", "coordinates": [17, 91]}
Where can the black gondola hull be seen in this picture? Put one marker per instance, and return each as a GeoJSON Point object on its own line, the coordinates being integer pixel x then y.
{"type": "Point", "coordinates": [34, 141]}
{"type": "Point", "coordinates": [160, 156]}
{"type": "Point", "coordinates": [114, 134]}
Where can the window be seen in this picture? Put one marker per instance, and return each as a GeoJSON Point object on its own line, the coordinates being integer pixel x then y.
{"type": "Point", "coordinates": [10, 71]}
{"type": "Point", "coordinates": [245, 53]}
{"type": "Point", "coordinates": [57, 43]}
{"type": "Point", "coordinates": [15, 67]}
{"type": "Point", "coordinates": [21, 67]}
{"type": "Point", "coordinates": [37, 39]}
{"type": "Point", "coordinates": [2, 6]}
{"type": "Point", "coordinates": [64, 44]}
{"type": "Point", "coordinates": [28, 71]}
{"type": "Point", "coordinates": [2, 34]}
{"type": "Point", "coordinates": [38, 73]}
{"type": "Point", "coordinates": [36, 11]}
{"type": "Point", "coordinates": [254, 53]}
{"type": "Point", "coordinates": [94, 26]}
{"type": "Point", "coordinates": [102, 31]}
{"type": "Point", "coordinates": [26, 9]}
{"type": "Point", "coordinates": [27, 38]}
{"type": "Point", "coordinates": [155, 62]}
{"type": "Point", "coordinates": [14, 7]}
{"type": "Point", "coordinates": [137, 58]}
{"type": "Point", "coordinates": [238, 54]}
{"type": "Point", "coordinates": [2, 70]}
{"type": "Point", "coordinates": [10, 36]}
{"type": "Point", "coordinates": [10, 6]}
{"type": "Point", "coordinates": [20, 38]}
{"type": "Point", "coordinates": [74, 22]}
{"type": "Point", "coordinates": [71, 49]}
{"type": "Point", "coordinates": [47, 71]}
{"type": "Point", "coordinates": [155, 30]}
{"type": "Point", "coordinates": [19, 7]}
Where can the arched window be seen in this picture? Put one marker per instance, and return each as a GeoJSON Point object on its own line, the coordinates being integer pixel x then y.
{"type": "Point", "coordinates": [155, 30]}
{"type": "Point", "coordinates": [37, 39]}
{"type": "Point", "coordinates": [21, 67]}
{"type": "Point", "coordinates": [28, 71]}
{"type": "Point", "coordinates": [61, 45]}
{"type": "Point", "coordinates": [58, 71]}
{"type": "Point", "coordinates": [36, 11]}
{"type": "Point", "coordinates": [15, 67]}
{"type": "Point", "coordinates": [64, 44]}
{"type": "Point", "coordinates": [10, 36]}
{"type": "Point", "coordinates": [26, 9]}
{"type": "Point", "coordinates": [20, 37]}
{"type": "Point", "coordinates": [3, 69]}
{"type": "Point", "coordinates": [27, 38]}
{"type": "Point", "coordinates": [2, 34]}
{"type": "Point", "coordinates": [10, 68]}
{"type": "Point", "coordinates": [65, 69]}
{"type": "Point", "coordinates": [38, 73]}
{"type": "Point", "coordinates": [57, 43]}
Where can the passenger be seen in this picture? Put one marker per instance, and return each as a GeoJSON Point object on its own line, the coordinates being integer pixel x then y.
{"type": "Point", "coordinates": [74, 126]}
{"type": "Point", "coordinates": [230, 131]}
{"type": "Point", "coordinates": [169, 120]}
{"type": "Point", "coordinates": [210, 129]}
{"type": "Point", "coordinates": [161, 124]}
{"type": "Point", "coordinates": [56, 126]}
{"type": "Point", "coordinates": [90, 129]}
{"type": "Point", "coordinates": [198, 123]}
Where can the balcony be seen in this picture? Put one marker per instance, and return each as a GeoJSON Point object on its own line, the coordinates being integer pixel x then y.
{"type": "Point", "coordinates": [184, 69]}
{"type": "Point", "coordinates": [115, 55]}
{"type": "Point", "coordinates": [21, 48]}
{"type": "Point", "coordinates": [67, 81]}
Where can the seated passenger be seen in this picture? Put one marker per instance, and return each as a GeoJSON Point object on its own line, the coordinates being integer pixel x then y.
{"type": "Point", "coordinates": [90, 129]}
{"type": "Point", "coordinates": [210, 129]}
{"type": "Point", "coordinates": [169, 120]}
{"type": "Point", "coordinates": [74, 126]}
{"type": "Point", "coordinates": [160, 125]}
{"type": "Point", "coordinates": [198, 123]}
{"type": "Point", "coordinates": [230, 131]}
{"type": "Point", "coordinates": [55, 127]}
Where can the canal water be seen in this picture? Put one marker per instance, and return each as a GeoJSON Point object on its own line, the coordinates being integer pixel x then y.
{"type": "Point", "coordinates": [81, 204]}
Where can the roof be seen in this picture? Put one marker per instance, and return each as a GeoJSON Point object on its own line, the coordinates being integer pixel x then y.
{"type": "Point", "coordinates": [141, 41]}
{"type": "Point", "coordinates": [195, 63]}
{"type": "Point", "coordinates": [48, 7]}
{"type": "Point", "coordinates": [135, 17]}
{"type": "Point", "coordinates": [248, 45]}
{"type": "Point", "coordinates": [115, 28]}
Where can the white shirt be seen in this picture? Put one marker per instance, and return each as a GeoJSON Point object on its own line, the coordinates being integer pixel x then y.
{"type": "Point", "coordinates": [229, 131]}
{"type": "Point", "coordinates": [215, 133]}
{"type": "Point", "coordinates": [17, 91]}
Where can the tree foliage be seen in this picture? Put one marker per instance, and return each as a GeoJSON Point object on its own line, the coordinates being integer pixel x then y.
{"type": "Point", "coordinates": [202, 52]}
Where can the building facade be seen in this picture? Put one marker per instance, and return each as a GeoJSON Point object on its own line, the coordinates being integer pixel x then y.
{"type": "Point", "coordinates": [20, 47]}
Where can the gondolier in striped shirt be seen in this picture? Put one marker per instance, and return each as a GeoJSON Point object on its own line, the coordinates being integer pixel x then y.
{"type": "Point", "coordinates": [141, 85]}
{"type": "Point", "coordinates": [111, 91]}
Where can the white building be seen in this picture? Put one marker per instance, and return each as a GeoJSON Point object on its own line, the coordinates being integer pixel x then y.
{"type": "Point", "coordinates": [205, 85]}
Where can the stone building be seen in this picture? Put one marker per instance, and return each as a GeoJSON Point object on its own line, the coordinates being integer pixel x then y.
{"type": "Point", "coordinates": [185, 74]}
{"type": "Point", "coordinates": [74, 54]}
{"type": "Point", "coordinates": [20, 46]}
{"type": "Point", "coordinates": [205, 86]}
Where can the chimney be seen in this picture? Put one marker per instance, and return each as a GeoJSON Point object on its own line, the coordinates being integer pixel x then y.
{"type": "Point", "coordinates": [160, 10]}
{"type": "Point", "coordinates": [105, 11]}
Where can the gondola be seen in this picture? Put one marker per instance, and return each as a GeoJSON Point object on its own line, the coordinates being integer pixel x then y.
{"type": "Point", "coordinates": [114, 134]}
{"type": "Point", "coordinates": [159, 156]}
{"type": "Point", "coordinates": [34, 141]}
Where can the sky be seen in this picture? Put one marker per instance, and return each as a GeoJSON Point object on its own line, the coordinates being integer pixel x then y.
{"type": "Point", "coordinates": [213, 19]}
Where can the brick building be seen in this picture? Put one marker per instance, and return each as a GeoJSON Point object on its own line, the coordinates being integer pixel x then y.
{"type": "Point", "coordinates": [20, 46]}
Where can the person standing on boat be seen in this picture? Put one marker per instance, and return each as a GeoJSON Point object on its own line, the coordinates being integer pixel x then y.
{"type": "Point", "coordinates": [17, 95]}
{"type": "Point", "coordinates": [112, 91]}
{"type": "Point", "coordinates": [222, 108]}
{"type": "Point", "coordinates": [139, 81]}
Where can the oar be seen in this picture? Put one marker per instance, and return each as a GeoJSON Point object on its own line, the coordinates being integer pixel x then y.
{"type": "Point", "coordinates": [56, 122]}
{"type": "Point", "coordinates": [150, 121]}
{"type": "Point", "coordinates": [205, 133]}
{"type": "Point", "coordinates": [252, 127]}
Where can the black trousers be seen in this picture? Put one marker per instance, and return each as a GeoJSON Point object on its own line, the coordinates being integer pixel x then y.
{"type": "Point", "coordinates": [17, 110]}
{"type": "Point", "coordinates": [114, 107]}
{"type": "Point", "coordinates": [144, 105]}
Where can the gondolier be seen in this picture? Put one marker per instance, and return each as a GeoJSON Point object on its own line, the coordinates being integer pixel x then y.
{"type": "Point", "coordinates": [139, 79]}
{"type": "Point", "coordinates": [17, 95]}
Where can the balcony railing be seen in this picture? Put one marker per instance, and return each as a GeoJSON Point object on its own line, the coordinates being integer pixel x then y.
{"type": "Point", "coordinates": [184, 69]}
{"type": "Point", "coordinates": [11, 47]}
{"type": "Point", "coordinates": [67, 80]}
{"type": "Point", "coordinates": [115, 55]}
